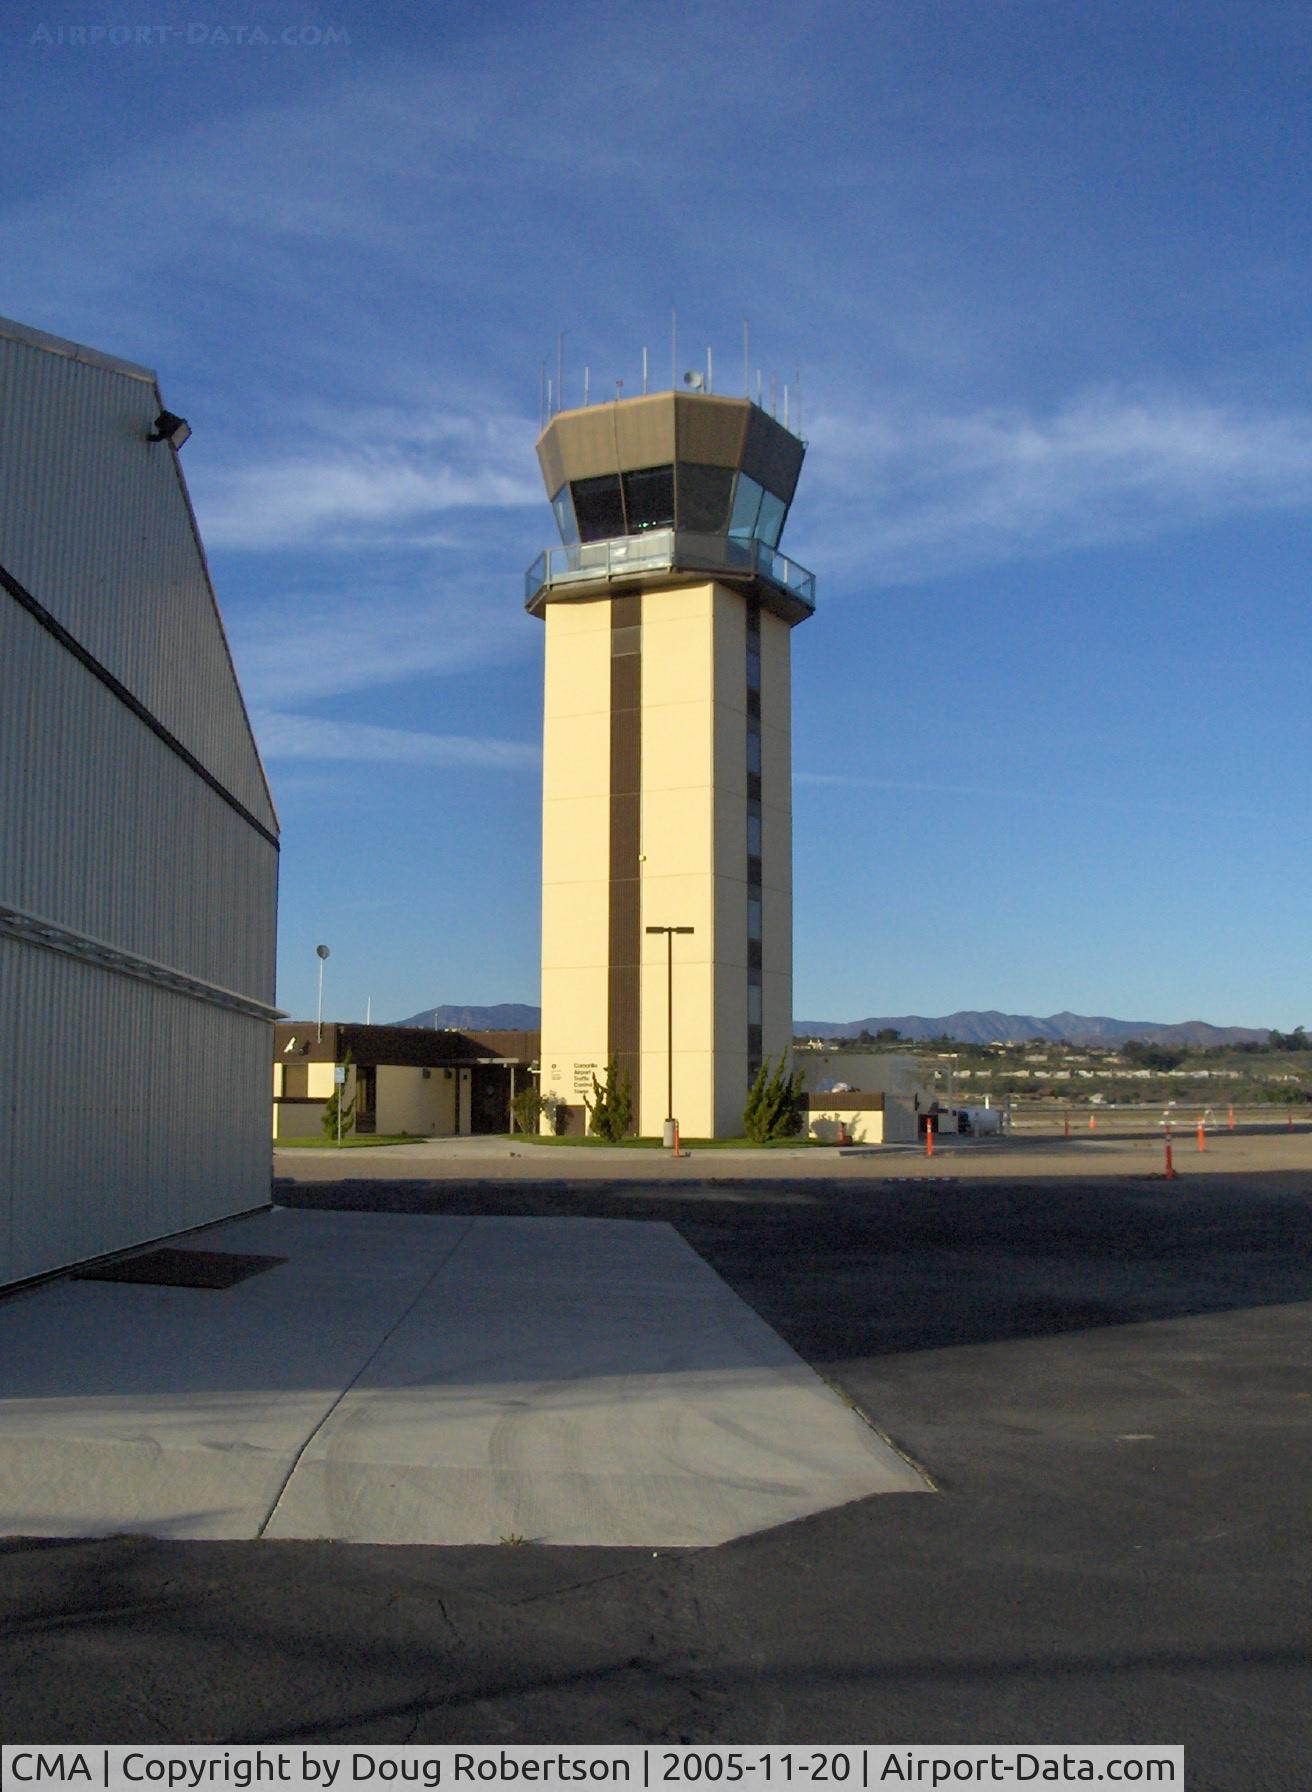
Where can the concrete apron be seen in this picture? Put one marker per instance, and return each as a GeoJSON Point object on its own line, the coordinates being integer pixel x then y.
{"type": "Point", "coordinates": [439, 1380]}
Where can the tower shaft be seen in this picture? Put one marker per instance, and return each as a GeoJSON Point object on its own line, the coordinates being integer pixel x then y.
{"type": "Point", "coordinates": [658, 782]}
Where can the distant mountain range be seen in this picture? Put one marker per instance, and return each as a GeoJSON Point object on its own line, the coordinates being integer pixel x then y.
{"type": "Point", "coordinates": [974, 1027]}
{"type": "Point", "coordinates": [971, 1027]}
{"type": "Point", "coordinates": [512, 1017]}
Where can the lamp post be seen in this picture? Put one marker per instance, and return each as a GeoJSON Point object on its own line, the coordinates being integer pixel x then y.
{"type": "Point", "coordinates": [323, 953]}
{"type": "Point", "coordinates": [669, 932]}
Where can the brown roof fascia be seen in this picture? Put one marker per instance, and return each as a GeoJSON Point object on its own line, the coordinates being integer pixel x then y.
{"type": "Point", "coordinates": [423, 1047]}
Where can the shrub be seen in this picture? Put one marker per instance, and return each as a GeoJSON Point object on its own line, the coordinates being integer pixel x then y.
{"type": "Point", "coordinates": [526, 1110]}
{"type": "Point", "coordinates": [611, 1108]}
{"type": "Point", "coordinates": [774, 1103]}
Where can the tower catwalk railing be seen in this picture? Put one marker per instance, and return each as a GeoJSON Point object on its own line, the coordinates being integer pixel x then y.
{"type": "Point", "coordinates": [666, 550]}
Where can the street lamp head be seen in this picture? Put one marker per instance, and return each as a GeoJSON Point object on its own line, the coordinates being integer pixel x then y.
{"type": "Point", "coordinates": [323, 953]}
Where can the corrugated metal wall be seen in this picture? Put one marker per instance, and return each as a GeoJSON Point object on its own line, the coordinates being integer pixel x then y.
{"type": "Point", "coordinates": [94, 522]}
{"type": "Point", "coordinates": [107, 831]}
{"type": "Point", "coordinates": [128, 1110]}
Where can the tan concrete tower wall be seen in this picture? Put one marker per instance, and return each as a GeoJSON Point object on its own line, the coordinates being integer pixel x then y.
{"type": "Point", "coordinates": [692, 862]}
{"type": "Point", "coordinates": [680, 712]}
{"type": "Point", "coordinates": [777, 831]}
{"type": "Point", "coordinates": [575, 847]}
{"type": "Point", "coordinates": [730, 861]}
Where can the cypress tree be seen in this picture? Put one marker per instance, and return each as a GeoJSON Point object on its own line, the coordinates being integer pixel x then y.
{"type": "Point", "coordinates": [611, 1107]}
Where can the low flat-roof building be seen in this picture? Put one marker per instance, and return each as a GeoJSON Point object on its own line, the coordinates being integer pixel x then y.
{"type": "Point", "coordinates": [432, 1083]}
{"type": "Point", "coordinates": [867, 1098]}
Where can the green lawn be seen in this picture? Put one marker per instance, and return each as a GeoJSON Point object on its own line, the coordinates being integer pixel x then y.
{"type": "Point", "coordinates": [352, 1142]}
{"type": "Point", "coordinates": [588, 1142]}
{"type": "Point", "coordinates": [358, 1141]}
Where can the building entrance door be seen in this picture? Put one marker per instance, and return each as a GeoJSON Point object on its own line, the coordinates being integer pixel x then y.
{"type": "Point", "coordinates": [490, 1107]}
{"type": "Point", "coordinates": [366, 1098]}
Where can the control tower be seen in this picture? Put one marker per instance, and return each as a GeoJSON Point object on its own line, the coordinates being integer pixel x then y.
{"type": "Point", "coordinates": [667, 777]}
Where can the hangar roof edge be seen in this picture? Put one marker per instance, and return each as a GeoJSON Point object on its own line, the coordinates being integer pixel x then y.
{"type": "Point", "coordinates": [73, 351]}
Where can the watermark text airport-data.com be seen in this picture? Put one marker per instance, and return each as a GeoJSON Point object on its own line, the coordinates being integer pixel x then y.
{"type": "Point", "coordinates": [194, 35]}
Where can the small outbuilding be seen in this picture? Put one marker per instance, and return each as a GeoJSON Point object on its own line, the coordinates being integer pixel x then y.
{"type": "Point", "coordinates": [430, 1082]}
{"type": "Point", "coordinates": [862, 1098]}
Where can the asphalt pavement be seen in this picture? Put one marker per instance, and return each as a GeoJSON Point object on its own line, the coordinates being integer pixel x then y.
{"type": "Point", "coordinates": [1107, 1376]}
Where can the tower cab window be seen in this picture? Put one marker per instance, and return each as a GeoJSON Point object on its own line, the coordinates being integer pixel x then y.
{"type": "Point", "coordinates": [649, 499]}
{"type": "Point", "coordinates": [599, 507]}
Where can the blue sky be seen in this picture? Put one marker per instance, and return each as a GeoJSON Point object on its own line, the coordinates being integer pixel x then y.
{"type": "Point", "coordinates": [1044, 270]}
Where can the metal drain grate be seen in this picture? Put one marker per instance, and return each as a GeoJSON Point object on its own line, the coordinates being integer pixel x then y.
{"type": "Point", "coordinates": [166, 1268]}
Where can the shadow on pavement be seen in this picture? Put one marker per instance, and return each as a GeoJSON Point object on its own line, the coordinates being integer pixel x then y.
{"type": "Point", "coordinates": [853, 1269]}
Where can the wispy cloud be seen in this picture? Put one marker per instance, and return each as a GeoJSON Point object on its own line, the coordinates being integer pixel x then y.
{"type": "Point", "coordinates": [919, 495]}
{"type": "Point", "coordinates": [371, 474]}
{"type": "Point", "coordinates": [283, 736]}
{"type": "Point", "coordinates": [301, 646]}
{"type": "Point", "coordinates": [903, 497]}
{"type": "Point", "coordinates": [477, 149]}
{"type": "Point", "coordinates": [348, 499]}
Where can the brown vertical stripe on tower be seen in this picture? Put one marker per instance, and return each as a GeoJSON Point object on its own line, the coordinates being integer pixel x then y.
{"type": "Point", "coordinates": [755, 945]}
{"type": "Point", "coordinates": [623, 1014]}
